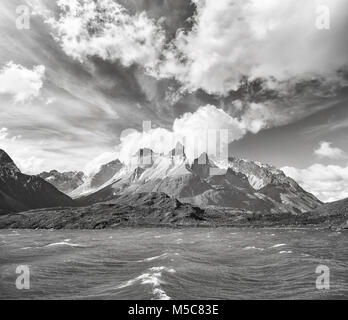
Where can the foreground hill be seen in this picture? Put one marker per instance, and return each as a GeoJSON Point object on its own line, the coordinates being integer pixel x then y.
{"type": "Point", "coordinates": [337, 208]}
{"type": "Point", "coordinates": [160, 210]}
{"type": "Point", "coordinates": [136, 210]}
{"type": "Point", "coordinates": [20, 192]}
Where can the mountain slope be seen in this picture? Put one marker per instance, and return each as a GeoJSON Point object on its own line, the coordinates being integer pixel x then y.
{"type": "Point", "coordinates": [104, 176]}
{"type": "Point", "coordinates": [273, 183]}
{"type": "Point", "coordinates": [20, 192]}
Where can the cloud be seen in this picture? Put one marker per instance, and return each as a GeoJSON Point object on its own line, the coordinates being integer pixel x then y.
{"type": "Point", "coordinates": [192, 130]}
{"type": "Point", "coordinates": [22, 83]}
{"type": "Point", "coordinates": [106, 30]}
{"type": "Point", "coordinates": [258, 116]}
{"type": "Point", "coordinates": [197, 130]}
{"type": "Point", "coordinates": [233, 39]}
{"type": "Point", "coordinates": [5, 135]}
{"type": "Point", "coordinates": [325, 150]}
{"type": "Point", "coordinates": [94, 165]}
{"type": "Point", "coordinates": [229, 40]}
{"type": "Point", "coordinates": [31, 165]}
{"type": "Point", "coordinates": [328, 183]}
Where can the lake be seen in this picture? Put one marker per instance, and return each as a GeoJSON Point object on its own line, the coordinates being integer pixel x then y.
{"type": "Point", "coordinates": [192, 263]}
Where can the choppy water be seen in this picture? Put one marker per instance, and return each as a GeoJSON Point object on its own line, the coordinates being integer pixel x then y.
{"type": "Point", "coordinates": [178, 264]}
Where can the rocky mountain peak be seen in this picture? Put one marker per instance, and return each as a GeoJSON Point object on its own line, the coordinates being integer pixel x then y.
{"type": "Point", "coordinates": [20, 192]}
{"type": "Point", "coordinates": [259, 175]}
{"type": "Point", "coordinates": [202, 165]}
{"type": "Point", "coordinates": [7, 163]}
{"type": "Point", "coordinates": [178, 151]}
{"type": "Point", "coordinates": [4, 158]}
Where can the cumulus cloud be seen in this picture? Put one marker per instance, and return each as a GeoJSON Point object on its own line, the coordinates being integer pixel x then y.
{"type": "Point", "coordinates": [232, 39]}
{"type": "Point", "coordinates": [328, 183]}
{"type": "Point", "coordinates": [105, 29]}
{"type": "Point", "coordinates": [325, 150]}
{"type": "Point", "coordinates": [209, 129]}
{"type": "Point", "coordinates": [22, 83]}
{"type": "Point", "coordinates": [3, 133]}
{"type": "Point", "coordinates": [31, 165]}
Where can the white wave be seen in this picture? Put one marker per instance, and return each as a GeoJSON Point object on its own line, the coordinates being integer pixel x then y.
{"type": "Point", "coordinates": [63, 243]}
{"type": "Point", "coordinates": [132, 281]}
{"type": "Point", "coordinates": [152, 278]}
{"type": "Point", "coordinates": [160, 294]}
{"type": "Point", "coordinates": [154, 258]}
{"type": "Point", "coordinates": [281, 252]}
{"type": "Point", "coordinates": [254, 248]}
{"type": "Point", "coordinates": [162, 268]}
{"type": "Point", "coordinates": [278, 245]}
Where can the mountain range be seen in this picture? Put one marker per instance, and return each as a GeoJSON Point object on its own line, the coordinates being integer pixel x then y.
{"type": "Point", "coordinates": [238, 184]}
{"type": "Point", "coordinates": [205, 190]}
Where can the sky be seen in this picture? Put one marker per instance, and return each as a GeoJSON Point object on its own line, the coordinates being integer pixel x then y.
{"type": "Point", "coordinates": [78, 79]}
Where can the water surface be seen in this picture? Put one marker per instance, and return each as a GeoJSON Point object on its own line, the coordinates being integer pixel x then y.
{"type": "Point", "coordinates": [220, 263]}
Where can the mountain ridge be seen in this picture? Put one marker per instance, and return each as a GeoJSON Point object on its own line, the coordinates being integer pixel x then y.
{"type": "Point", "coordinates": [19, 192]}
